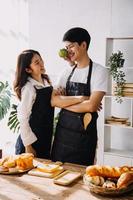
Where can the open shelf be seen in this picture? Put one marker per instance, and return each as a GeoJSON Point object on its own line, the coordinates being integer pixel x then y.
{"type": "Point", "coordinates": [117, 138]}
{"type": "Point", "coordinates": [119, 126]}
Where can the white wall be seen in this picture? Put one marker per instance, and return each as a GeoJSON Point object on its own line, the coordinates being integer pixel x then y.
{"type": "Point", "coordinates": [122, 18]}
{"type": "Point", "coordinates": [49, 20]}
{"type": "Point", "coordinates": [14, 37]}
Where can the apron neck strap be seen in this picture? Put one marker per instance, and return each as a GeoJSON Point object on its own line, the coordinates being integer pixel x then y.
{"type": "Point", "coordinates": [71, 73]}
{"type": "Point", "coordinates": [89, 77]}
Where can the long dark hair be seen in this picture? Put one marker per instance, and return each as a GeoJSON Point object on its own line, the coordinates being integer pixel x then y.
{"type": "Point", "coordinates": [21, 75]}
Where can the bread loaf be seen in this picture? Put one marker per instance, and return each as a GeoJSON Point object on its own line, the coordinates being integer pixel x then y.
{"type": "Point", "coordinates": [3, 169]}
{"type": "Point", "coordinates": [109, 184]}
{"type": "Point", "coordinates": [96, 180]}
{"type": "Point", "coordinates": [24, 161]}
{"type": "Point", "coordinates": [107, 171]}
{"type": "Point", "coordinates": [15, 163]}
{"type": "Point", "coordinates": [125, 180]}
{"type": "Point", "coordinates": [3, 160]}
{"type": "Point", "coordinates": [10, 162]}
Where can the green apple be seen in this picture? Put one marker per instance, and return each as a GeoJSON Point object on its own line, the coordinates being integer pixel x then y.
{"type": "Point", "coordinates": [63, 53]}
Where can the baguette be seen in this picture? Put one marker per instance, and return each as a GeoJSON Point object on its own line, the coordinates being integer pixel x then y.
{"type": "Point", "coordinates": [107, 171]}
{"type": "Point", "coordinates": [125, 180]}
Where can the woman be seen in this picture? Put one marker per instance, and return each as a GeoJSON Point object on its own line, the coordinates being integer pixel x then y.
{"type": "Point", "coordinates": [33, 88]}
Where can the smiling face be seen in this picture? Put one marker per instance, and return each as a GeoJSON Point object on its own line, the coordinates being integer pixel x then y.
{"type": "Point", "coordinates": [36, 67]}
{"type": "Point", "coordinates": [75, 51]}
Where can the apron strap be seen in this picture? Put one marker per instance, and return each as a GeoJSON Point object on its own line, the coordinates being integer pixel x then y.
{"type": "Point", "coordinates": [71, 73]}
{"type": "Point", "coordinates": [89, 78]}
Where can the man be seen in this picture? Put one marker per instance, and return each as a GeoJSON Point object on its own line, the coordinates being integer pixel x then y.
{"type": "Point", "coordinates": [75, 141]}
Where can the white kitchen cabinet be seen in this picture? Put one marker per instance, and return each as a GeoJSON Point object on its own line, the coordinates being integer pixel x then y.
{"type": "Point", "coordinates": [117, 138]}
{"type": "Point", "coordinates": [116, 159]}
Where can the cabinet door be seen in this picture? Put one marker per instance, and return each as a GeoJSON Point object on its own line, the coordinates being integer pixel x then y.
{"type": "Point", "coordinates": [117, 160]}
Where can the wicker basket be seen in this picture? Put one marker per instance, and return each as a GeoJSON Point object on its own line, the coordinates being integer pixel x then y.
{"type": "Point", "coordinates": [106, 191]}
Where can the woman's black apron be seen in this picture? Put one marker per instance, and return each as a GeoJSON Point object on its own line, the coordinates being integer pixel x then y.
{"type": "Point", "coordinates": [72, 142]}
{"type": "Point", "coordinates": [41, 123]}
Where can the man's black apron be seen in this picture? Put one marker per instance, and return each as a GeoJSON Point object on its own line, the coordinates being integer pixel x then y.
{"type": "Point", "coordinates": [72, 142]}
{"type": "Point", "coordinates": [41, 123]}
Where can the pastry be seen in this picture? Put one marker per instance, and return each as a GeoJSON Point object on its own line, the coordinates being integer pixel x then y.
{"type": "Point", "coordinates": [10, 162]}
{"type": "Point", "coordinates": [3, 169]}
{"type": "Point", "coordinates": [17, 162]}
{"type": "Point", "coordinates": [96, 180]}
{"type": "Point", "coordinates": [125, 180]}
{"type": "Point", "coordinates": [2, 160]}
{"type": "Point", "coordinates": [109, 184]}
{"type": "Point", "coordinates": [107, 171]}
{"type": "Point", "coordinates": [25, 161]}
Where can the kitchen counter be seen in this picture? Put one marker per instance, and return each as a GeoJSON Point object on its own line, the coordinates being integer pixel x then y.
{"type": "Point", "coordinates": [24, 186]}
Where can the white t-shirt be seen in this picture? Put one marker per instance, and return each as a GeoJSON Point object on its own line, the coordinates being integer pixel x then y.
{"type": "Point", "coordinates": [99, 77]}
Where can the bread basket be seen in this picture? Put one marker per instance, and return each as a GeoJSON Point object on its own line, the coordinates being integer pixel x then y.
{"type": "Point", "coordinates": [106, 191]}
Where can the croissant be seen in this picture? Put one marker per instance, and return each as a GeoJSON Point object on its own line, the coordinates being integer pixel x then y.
{"type": "Point", "coordinates": [3, 160]}
{"type": "Point", "coordinates": [107, 171]}
{"type": "Point", "coordinates": [24, 161]}
{"type": "Point", "coordinates": [125, 180]}
{"type": "Point", "coordinates": [10, 162]}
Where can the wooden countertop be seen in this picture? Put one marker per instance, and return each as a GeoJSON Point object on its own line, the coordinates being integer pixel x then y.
{"type": "Point", "coordinates": [24, 186]}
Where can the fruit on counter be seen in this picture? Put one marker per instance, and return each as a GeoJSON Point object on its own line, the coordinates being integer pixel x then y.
{"type": "Point", "coordinates": [63, 53]}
